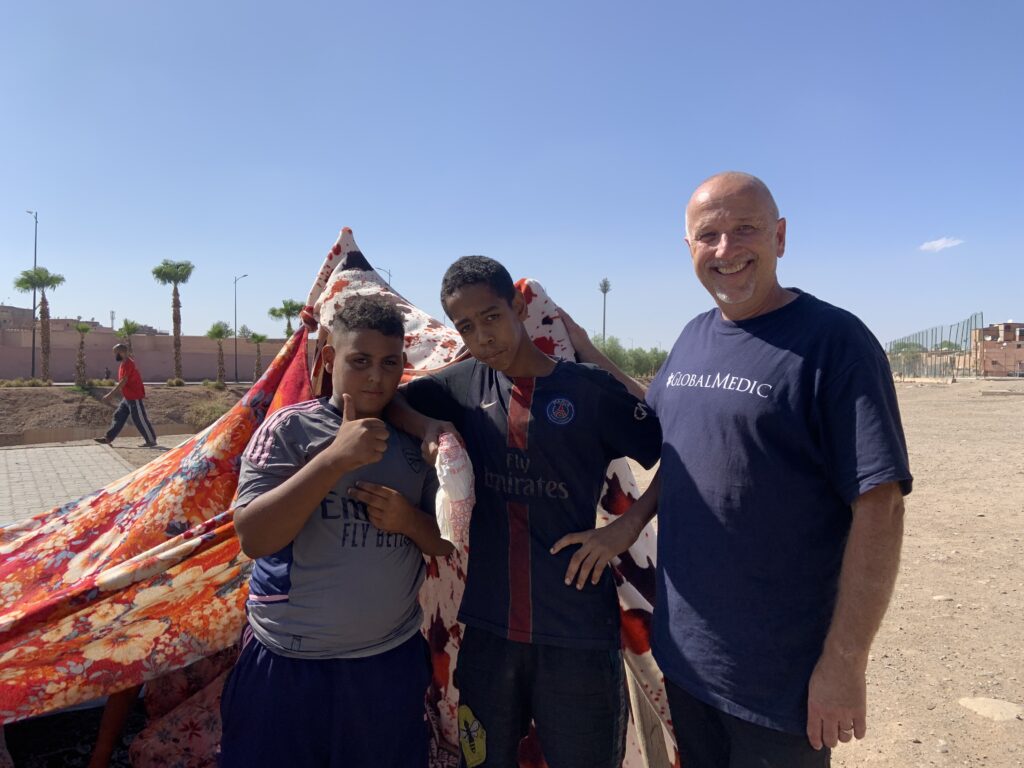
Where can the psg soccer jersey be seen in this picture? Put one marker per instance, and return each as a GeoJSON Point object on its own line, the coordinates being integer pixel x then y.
{"type": "Point", "coordinates": [539, 447]}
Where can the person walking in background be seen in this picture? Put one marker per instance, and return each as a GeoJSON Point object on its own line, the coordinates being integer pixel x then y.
{"type": "Point", "coordinates": [129, 386]}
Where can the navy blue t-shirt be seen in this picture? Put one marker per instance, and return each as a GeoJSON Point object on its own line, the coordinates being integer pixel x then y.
{"type": "Point", "coordinates": [539, 448]}
{"type": "Point", "coordinates": [773, 427]}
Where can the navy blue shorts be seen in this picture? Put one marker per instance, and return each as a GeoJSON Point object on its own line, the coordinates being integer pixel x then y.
{"type": "Point", "coordinates": [710, 738]}
{"type": "Point", "coordinates": [576, 699]}
{"type": "Point", "coordinates": [343, 713]}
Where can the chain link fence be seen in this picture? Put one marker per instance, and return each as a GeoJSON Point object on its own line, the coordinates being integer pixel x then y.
{"type": "Point", "coordinates": [941, 352]}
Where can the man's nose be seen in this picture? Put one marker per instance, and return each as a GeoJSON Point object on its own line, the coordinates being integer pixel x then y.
{"type": "Point", "coordinates": [723, 245]}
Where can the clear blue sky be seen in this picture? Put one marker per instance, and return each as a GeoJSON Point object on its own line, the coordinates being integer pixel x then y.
{"type": "Point", "coordinates": [562, 138]}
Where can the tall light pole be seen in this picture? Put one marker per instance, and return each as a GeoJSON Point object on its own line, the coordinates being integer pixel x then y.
{"type": "Point", "coordinates": [604, 286]}
{"type": "Point", "coordinates": [35, 251]}
{"type": "Point", "coordinates": [236, 325]}
{"type": "Point", "coordinates": [385, 269]}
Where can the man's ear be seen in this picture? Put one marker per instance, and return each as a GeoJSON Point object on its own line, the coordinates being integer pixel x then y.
{"type": "Point", "coordinates": [328, 353]}
{"type": "Point", "coordinates": [780, 238]}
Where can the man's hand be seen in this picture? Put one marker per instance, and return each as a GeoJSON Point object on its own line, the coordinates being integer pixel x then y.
{"type": "Point", "coordinates": [598, 548]}
{"type": "Point", "coordinates": [836, 701]}
{"type": "Point", "coordinates": [578, 337]}
{"type": "Point", "coordinates": [359, 441]}
{"type": "Point", "coordinates": [388, 510]}
{"type": "Point", "coordinates": [106, 397]}
{"type": "Point", "coordinates": [432, 438]}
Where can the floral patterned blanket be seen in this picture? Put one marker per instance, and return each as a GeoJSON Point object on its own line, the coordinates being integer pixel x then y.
{"type": "Point", "coordinates": [143, 578]}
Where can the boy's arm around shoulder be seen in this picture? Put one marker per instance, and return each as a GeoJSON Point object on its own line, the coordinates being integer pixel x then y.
{"type": "Point", "coordinates": [272, 520]}
{"type": "Point", "coordinates": [409, 417]}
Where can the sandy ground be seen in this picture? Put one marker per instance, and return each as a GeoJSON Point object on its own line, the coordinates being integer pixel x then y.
{"type": "Point", "coordinates": [955, 628]}
{"type": "Point", "coordinates": [27, 409]}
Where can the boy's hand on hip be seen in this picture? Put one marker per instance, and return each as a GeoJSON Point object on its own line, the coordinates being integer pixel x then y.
{"type": "Point", "coordinates": [360, 441]}
{"type": "Point", "coordinates": [387, 509]}
{"type": "Point", "coordinates": [598, 548]}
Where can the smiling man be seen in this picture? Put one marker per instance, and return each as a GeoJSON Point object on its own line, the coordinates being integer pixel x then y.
{"type": "Point", "coordinates": [781, 501]}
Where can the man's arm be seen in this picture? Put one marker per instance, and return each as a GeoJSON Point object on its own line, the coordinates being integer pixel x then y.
{"type": "Point", "coordinates": [836, 695]}
{"type": "Point", "coordinates": [275, 518]}
{"type": "Point", "coordinates": [600, 546]}
{"type": "Point", "coordinates": [588, 353]}
{"type": "Point", "coordinates": [116, 389]}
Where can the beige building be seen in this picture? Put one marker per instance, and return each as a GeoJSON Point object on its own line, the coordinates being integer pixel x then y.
{"type": "Point", "coordinates": [1000, 349]}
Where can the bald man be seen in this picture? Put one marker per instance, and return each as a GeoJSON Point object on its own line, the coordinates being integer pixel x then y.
{"type": "Point", "coordinates": [781, 511]}
{"type": "Point", "coordinates": [781, 485]}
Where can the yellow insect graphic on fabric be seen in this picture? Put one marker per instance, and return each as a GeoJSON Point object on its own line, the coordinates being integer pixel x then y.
{"type": "Point", "coordinates": [472, 737]}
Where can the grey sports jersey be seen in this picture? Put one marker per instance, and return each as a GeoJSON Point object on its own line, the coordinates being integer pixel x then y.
{"type": "Point", "coordinates": [342, 588]}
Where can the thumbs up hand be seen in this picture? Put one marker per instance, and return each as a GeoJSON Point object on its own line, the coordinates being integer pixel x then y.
{"type": "Point", "coordinates": [359, 441]}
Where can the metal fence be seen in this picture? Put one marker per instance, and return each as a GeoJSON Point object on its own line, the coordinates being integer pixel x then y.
{"type": "Point", "coordinates": [939, 352]}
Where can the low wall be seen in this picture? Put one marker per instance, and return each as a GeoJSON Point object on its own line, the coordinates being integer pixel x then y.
{"type": "Point", "coordinates": [153, 354]}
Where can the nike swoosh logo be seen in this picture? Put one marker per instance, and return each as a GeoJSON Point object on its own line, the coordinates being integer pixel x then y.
{"type": "Point", "coordinates": [489, 405]}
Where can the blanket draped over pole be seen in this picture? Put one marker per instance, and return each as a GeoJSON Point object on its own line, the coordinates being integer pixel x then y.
{"type": "Point", "coordinates": [145, 577]}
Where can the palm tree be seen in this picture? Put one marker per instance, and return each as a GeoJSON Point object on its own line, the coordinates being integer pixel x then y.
{"type": "Point", "coordinates": [40, 278]}
{"type": "Point", "coordinates": [289, 308]}
{"type": "Point", "coordinates": [219, 331]}
{"type": "Point", "coordinates": [604, 286]}
{"type": "Point", "coordinates": [80, 380]}
{"type": "Point", "coordinates": [128, 329]}
{"type": "Point", "coordinates": [257, 339]}
{"type": "Point", "coordinates": [174, 273]}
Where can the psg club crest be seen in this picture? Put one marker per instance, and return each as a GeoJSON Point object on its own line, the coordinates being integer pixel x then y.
{"type": "Point", "coordinates": [561, 411]}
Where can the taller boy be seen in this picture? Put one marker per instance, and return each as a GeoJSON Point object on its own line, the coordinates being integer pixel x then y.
{"type": "Point", "coordinates": [540, 434]}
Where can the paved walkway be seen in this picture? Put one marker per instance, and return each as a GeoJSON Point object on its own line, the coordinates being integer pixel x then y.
{"type": "Point", "coordinates": [36, 478]}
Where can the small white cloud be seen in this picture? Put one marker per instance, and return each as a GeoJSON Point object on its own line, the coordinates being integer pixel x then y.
{"type": "Point", "coordinates": [933, 246]}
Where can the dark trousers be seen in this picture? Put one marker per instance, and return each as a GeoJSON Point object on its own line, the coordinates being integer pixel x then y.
{"type": "Point", "coordinates": [137, 410]}
{"type": "Point", "coordinates": [576, 698]}
{"type": "Point", "coordinates": [326, 713]}
{"type": "Point", "coordinates": [709, 738]}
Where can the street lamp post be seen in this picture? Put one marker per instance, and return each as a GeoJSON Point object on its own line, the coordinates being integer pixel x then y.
{"type": "Point", "coordinates": [385, 269]}
{"type": "Point", "coordinates": [604, 286]}
{"type": "Point", "coordinates": [35, 251]}
{"type": "Point", "coordinates": [236, 325]}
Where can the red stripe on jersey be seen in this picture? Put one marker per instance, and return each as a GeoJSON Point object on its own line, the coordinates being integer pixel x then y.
{"type": "Point", "coordinates": [519, 413]}
{"type": "Point", "coordinates": [520, 605]}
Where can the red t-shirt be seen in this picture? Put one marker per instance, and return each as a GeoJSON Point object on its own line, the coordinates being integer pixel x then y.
{"type": "Point", "coordinates": [132, 389]}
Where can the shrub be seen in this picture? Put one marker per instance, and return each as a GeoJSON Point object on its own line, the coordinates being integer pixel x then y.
{"type": "Point", "coordinates": [202, 415]}
{"type": "Point", "coordinates": [175, 382]}
{"type": "Point", "coordinates": [24, 383]}
{"type": "Point", "coordinates": [218, 385]}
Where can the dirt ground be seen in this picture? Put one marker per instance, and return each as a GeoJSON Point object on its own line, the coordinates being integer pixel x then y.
{"type": "Point", "coordinates": [955, 629]}
{"type": "Point", "coordinates": [24, 409]}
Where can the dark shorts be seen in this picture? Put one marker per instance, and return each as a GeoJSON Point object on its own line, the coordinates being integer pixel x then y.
{"type": "Point", "coordinates": [344, 713]}
{"type": "Point", "coordinates": [576, 698]}
{"type": "Point", "coordinates": [709, 738]}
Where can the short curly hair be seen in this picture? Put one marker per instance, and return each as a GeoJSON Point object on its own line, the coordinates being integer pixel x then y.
{"type": "Point", "coordinates": [370, 313]}
{"type": "Point", "coordinates": [477, 270]}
